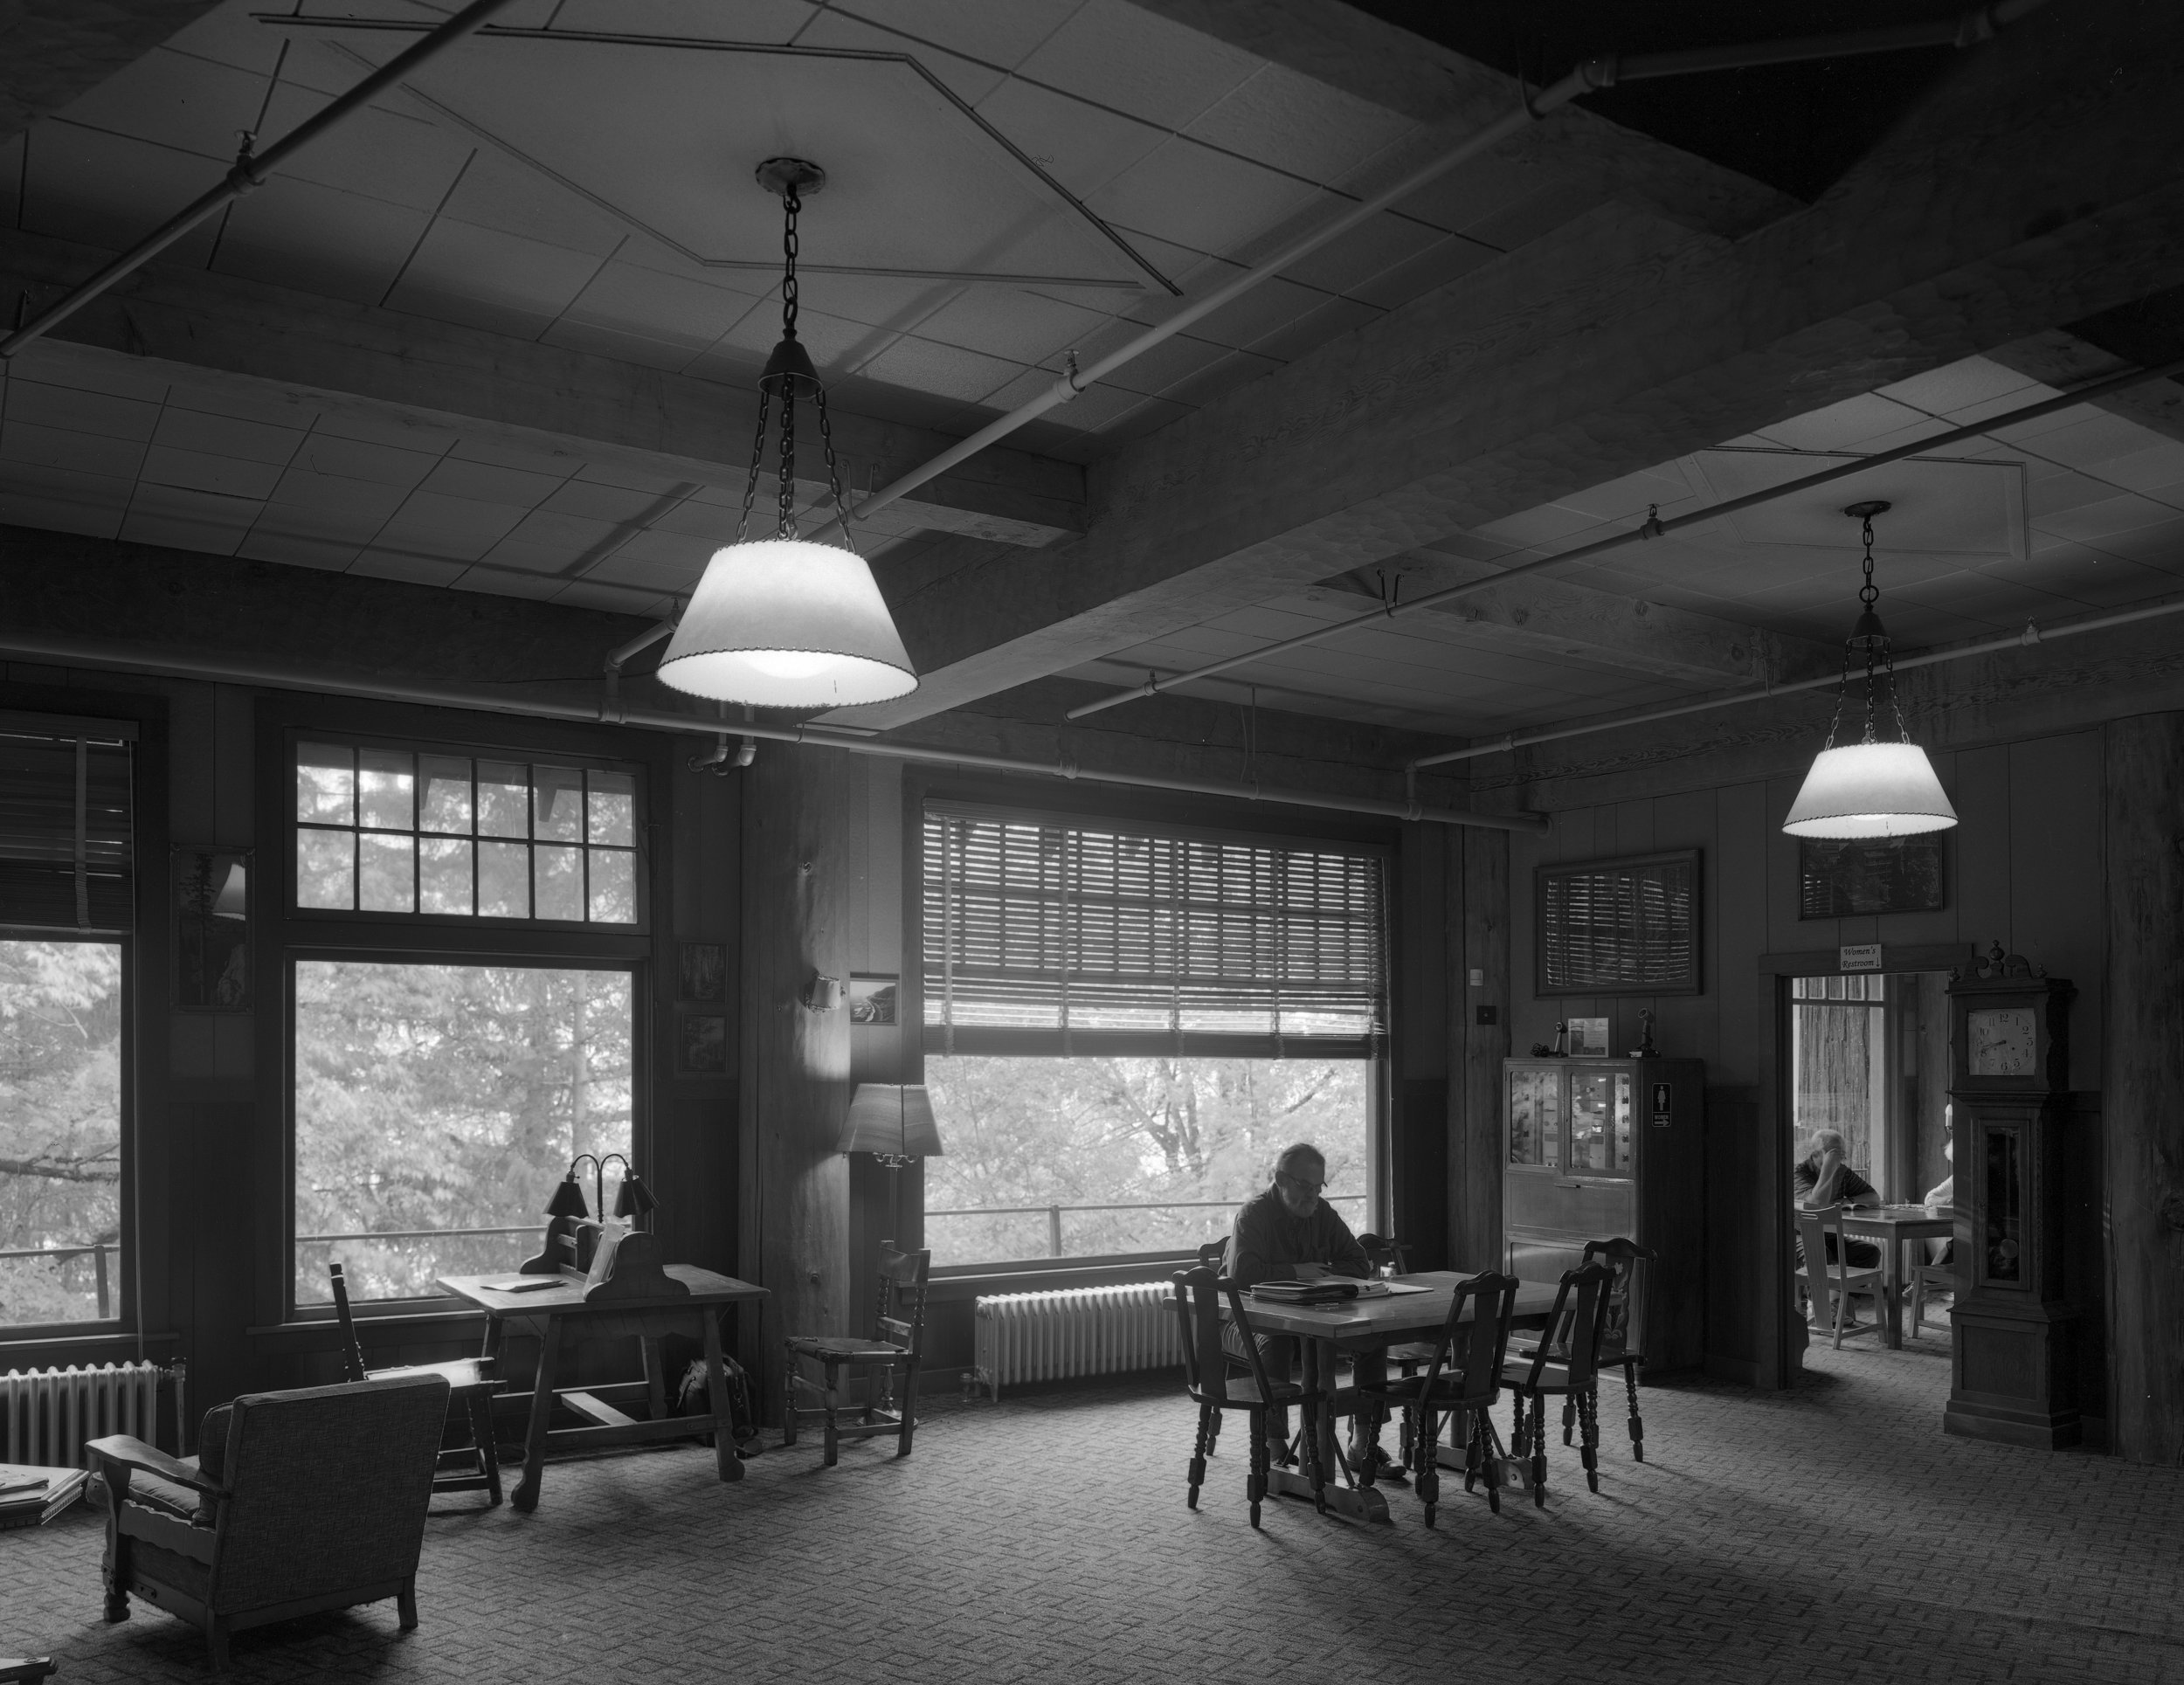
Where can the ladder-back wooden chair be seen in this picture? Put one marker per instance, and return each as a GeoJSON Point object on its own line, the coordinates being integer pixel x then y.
{"type": "Point", "coordinates": [472, 1387]}
{"type": "Point", "coordinates": [1210, 1376]}
{"type": "Point", "coordinates": [889, 1358]}
{"type": "Point", "coordinates": [1830, 1274]}
{"type": "Point", "coordinates": [1564, 1365]}
{"type": "Point", "coordinates": [1623, 1331]}
{"type": "Point", "coordinates": [1462, 1381]}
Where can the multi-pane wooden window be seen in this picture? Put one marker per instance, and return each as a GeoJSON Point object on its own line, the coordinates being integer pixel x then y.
{"type": "Point", "coordinates": [382, 830]}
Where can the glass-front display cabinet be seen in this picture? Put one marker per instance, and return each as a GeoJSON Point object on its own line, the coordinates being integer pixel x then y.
{"type": "Point", "coordinates": [1602, 1147]}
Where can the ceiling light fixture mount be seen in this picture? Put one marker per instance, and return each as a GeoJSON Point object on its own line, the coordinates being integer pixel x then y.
{"type": "Point", "coordinates": [1870, 789]}
{"type": "Point", "coordinates": [783, 622]}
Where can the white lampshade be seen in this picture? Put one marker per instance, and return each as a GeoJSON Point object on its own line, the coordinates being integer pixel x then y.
{"type": "Point", "coordinates": [893, 1118]}
{"type": "Point", "coordinates": [786, 623]}
{"type": "Point", "coordinates": [1870, 790]}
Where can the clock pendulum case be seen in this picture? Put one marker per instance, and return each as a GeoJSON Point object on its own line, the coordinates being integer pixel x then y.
{"type": "Point", "coordinates": [2014, 1373]}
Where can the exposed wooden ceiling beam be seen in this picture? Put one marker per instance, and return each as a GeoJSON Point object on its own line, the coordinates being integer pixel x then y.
{"type": "Point", "coordinates": [217, 331]}
{"type": "Point", "coordinates": [1602, 628]}
{"type": "Point", "coordinates": [2043, 183]}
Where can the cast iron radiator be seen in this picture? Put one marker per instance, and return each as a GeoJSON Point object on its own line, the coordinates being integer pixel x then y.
{"type": "Point", "coordinates": [47, 1414]}
{"type": "Point", "coordinates": [1050, 1337]}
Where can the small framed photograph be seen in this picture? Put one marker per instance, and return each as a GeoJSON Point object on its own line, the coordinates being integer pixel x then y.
{"type": "Point", "coordinates": [871, 999]}
{"type": "Point", "coordinates": [703, 972]}
{"type": "Point", "coordinates": [1588, 1037]}
{"type": "Point", "coordinates": [701, 1044]}
{"type": "Point", "coordinates": [212, 907]}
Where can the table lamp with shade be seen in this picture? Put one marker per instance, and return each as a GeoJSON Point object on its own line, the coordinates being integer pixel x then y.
{"type": "Point", "coordinates": [894, 1122]}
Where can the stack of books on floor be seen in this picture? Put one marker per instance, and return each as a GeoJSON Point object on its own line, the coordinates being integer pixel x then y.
{"type": "Point", "coordinates": [1327, 1291]}
{"type": "Point", "coordinates": [30, 1496]}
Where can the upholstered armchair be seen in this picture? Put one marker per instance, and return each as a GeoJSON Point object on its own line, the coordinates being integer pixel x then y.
{"type": "Point", "coordinates": [299, 1502]}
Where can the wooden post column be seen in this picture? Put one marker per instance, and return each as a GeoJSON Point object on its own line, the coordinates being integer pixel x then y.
{"type": "Point", "coordinates": [2143, 1084]}
{"type": "Point", "coordinates": [798, 864]}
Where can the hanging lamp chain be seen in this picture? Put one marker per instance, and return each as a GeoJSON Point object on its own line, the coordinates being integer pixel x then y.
{"type": "Point", "coordinates": [790, 204]}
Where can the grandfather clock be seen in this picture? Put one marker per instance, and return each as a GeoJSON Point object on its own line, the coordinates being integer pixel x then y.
{"type": "Point", "coordinates": [2014, 1364]}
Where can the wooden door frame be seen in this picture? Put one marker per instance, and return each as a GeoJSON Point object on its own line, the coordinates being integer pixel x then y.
{"type": "Point", "coordinates": [1781, 1344]}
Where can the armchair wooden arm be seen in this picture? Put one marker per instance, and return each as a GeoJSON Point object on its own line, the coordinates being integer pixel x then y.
{"type": "Point", "coordinates": [128, 1452]}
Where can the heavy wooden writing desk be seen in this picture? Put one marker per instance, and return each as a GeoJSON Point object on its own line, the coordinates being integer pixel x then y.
{"type": "Point", "coordinates": [1323, 1332]}
{"type": "Point", "coordinates": [558, 1316]}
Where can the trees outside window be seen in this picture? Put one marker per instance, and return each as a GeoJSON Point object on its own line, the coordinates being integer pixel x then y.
{"type": "Point", "coordinates": [1090, 1157]}
{"type": "Point", "coordinates": [436, 1106]}
{"type": "Point", "coordinates": [60, 1131]}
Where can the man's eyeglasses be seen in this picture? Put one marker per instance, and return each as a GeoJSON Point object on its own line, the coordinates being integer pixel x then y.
{"type": "Point", "coordinates": [1299, 1183]}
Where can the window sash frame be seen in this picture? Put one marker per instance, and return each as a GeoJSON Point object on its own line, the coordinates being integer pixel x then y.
{"type": "Point", "coordinates": [125, 1308]}
{"type": "Point", "coordinates": [635, 965]}
{"type": "Point", "coordinates": [292, 825]}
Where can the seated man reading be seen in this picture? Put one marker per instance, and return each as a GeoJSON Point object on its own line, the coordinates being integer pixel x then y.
{"type": "Point", "coordinates": [1824, 1178]}
{"type": "Point", "coordinates": [1280, 1235]}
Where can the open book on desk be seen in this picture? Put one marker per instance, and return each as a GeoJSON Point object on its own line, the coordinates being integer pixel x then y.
{"type": "Point", "coordinates": [1326, 1290]}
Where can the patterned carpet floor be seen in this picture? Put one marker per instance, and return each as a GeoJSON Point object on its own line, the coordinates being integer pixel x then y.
{"type": "Point", "coordinates": [1827, 1533]}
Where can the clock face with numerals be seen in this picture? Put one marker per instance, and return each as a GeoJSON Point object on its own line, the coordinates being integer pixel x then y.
{"type": "Point", "coordinates": [2002, 1040]}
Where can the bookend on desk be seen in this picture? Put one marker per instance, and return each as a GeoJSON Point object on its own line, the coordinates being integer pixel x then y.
{"type": "Point", "coordinates": [611, 1262]}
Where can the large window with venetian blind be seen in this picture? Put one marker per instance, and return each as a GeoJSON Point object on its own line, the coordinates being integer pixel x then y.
{"type": "Point", "coordinates": [1123, 1023]}
{"type": "Point", "coordinates": [67, 863]}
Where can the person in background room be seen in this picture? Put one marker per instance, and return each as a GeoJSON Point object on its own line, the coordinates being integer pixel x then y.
{"type": "Point", "coordinates": [1824, 1178]}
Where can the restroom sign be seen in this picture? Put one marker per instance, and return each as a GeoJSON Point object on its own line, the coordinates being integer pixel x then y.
{"type": "Point", "coordinates": [1664, 1104]}
{"type": "Point", "coordinates": [1859, 957]}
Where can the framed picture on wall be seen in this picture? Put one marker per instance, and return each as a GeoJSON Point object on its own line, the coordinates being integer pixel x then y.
{"type": "Point", "coordinates": [1891, 874]}
{"type": "Point", "coordinates": [212, 908]}
{"type": "Point", "coordinates": [872, 1000]}
{"type": "Point", "coordinates": [702, 973]}
{"type": "Point", "coordinates": [701, 1044]}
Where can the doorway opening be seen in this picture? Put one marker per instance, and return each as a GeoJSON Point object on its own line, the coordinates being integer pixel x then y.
{"type": "Point", "coordinates": [1868, 1070]}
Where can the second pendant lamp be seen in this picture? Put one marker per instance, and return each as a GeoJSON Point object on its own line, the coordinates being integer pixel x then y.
{"type": "Point", "coordinates": [1870, 789]}
{"type": "Point", "coordinates": [782, 621]}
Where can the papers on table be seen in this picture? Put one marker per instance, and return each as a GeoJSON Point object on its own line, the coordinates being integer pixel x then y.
{"type": "Point", "coordinates": [522, 1283]}
{"type": "Point", "coordinates": [1328, 1290]}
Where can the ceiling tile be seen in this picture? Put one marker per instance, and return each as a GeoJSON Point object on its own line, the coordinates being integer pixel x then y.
{"type": "Point", "coordinates": [677, 309]}
{"type": "Point", "coordinates": [1296, 123]}
{"type": "Point", "coordinates": [187, 520]}
{"type": "Point", "coordinates": [672, 356]}
{"type": "Point", "coordinates": [584, 499]}
{"type": "Point", "coordinates": [380, 563]}
{"type": "Point", "coordinates": [318, 239]}
{"type": "Point", "coordinates": [331, 495]}
{"type": "Point", "coordinates": [485, 279]}
{"type": "Point", "coordinates": [325, 453]}
{"type": "Point", "coordinates": [248, 441]}
{"type": "Point", "coordinates": [391, 151]}
{"type": "Point", "coordinates": [286, 410]}
{"type": "Point", "coordinates": [1195, 196]}
{"type": "Point", "coordinates": [510, 197]}
{"type": "Point", "coordinates": [60, 514]}
{"type": "Point", "coordinates": [1138, 62]}
{"type": "Point", "coordinates": [611, 599]}
{"type": "Point", "coordinates": [353, 524]}
{"type": "Point", "coordinates": [967, 78]}
{"type": "Point", "coordinates": [454, 527]}
{"type": "Point", "coordinates": [1376, 246]}
{"type": "Point", "coordinates": [999, 35]}
{"type": "Point", "coordinates": [487, 483]}
{"type": "Point", "coordinates": [56, 447]}
{"type": "Point", "coordinates": [45, 405]}
{"type": "Point", "coordinates": [262, 543]}
{"type": "Point", "coordinates": [505, 582]}
{"type": "Point", "coordinates": [200, 471]}
{"type": "Point", "coordinates": [775, 21]}
{"type": "Point", "coordinates": [1023, 327]}
{"type": "Point", "coordinates": [1970, 383]}
{"type": "Point", "coordinates": [1844, 426]}
{"type": "Point", "coordinates": [109, 192]}
{"type": "Point", "coordinates": [1080, 145]}
{"type": "Point", "coordinates": [2095, 521]}
{"type": "Point", "coordinates": [174, 100]}
{"type": "Point", "coordinates": [568, 536]}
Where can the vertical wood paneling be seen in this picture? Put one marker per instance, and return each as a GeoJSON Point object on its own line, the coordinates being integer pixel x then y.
{"type": "Point", "coordinates": [1475, 1210]}
{"type": "Point", "coordinates": [2056, 878]}
{"type": "Point", "coordinates": [2143, 1106]}
{"type": "Point", "coordinates": [1739, 871]}
{"type": "Point", "coordinates": [799, 811]}
{"type": "Point", "coordinates": [1983, 812]}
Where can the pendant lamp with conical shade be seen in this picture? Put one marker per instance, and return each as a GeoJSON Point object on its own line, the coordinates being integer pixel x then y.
{"type": "Point", "coordinates": [1870, 789]}
{"type": "Point", "coordinates": [784, 621]}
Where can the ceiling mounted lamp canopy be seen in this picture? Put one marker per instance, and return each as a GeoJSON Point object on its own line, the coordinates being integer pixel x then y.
{"type": "Point", "coordinates": [781, 621]}
{"type": "Point", "coordinates": [1871, 788]}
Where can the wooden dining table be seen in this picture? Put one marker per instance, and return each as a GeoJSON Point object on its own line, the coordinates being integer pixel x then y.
{"type": "Point", "coordinates": [1324, 1332]}
{"type": "Point", "coordinates": [1896, 1227]}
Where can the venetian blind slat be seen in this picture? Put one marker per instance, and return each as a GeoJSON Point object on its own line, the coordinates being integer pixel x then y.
{"type": "Point", "coordinates": [66, 848]}
{"type": "Point", "coordinates": [1045, 927]}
